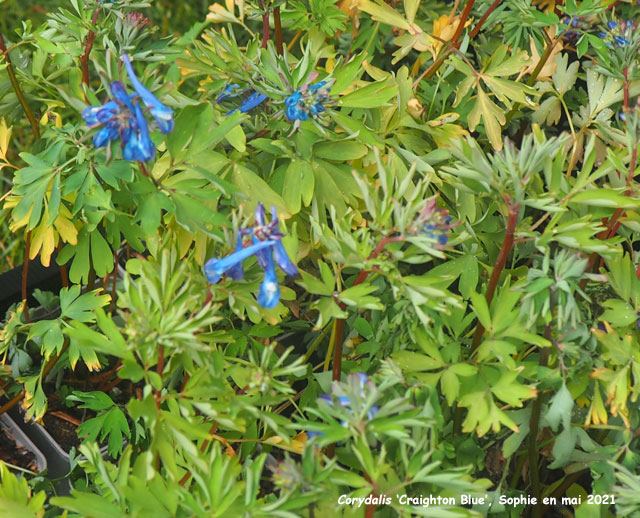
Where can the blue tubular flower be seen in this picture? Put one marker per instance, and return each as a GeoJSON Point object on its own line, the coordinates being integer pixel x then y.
{"type": "Point", "coordinates": [237, 272]}
{"type": "Point", "coordinates": [214, 269]}
{"type": "Point", "coordinates": [269, 251]}
{"type": "Point", "coordinates": [138, 146]}
{"type": "Point", "coordinates": [269, 294]}
{"type": "Point", "coordinates": [255, 99]}
{"type": "Point", "coordinates": [161, 113]}
{"type": "Point", "coordinates": [227, 93]}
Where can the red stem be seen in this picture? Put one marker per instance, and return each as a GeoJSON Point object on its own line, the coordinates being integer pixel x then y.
{"type": "Point", "coordinates": [463, 20]}
{"type": "Point", "coordinates": [265, 24]}
{"type": "Point", "coordinates": [625, 104]}
{"type": "Point", "coordinates": [25, 276]}
{"type": "Point", "coordinates": [278, 28]}
{"type": "Point", "coordinates": [84, 60]}
{"type": "Point", "coordinates": [64, 276]}
{"type": "Point", "coordinates": [337, 348]}
{"type": "Point", "coordinates": [480, 23]}
{"type": "Point", "coordinates": [507, 245]}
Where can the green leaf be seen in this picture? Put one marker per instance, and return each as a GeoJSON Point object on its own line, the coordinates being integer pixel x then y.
{"type": "Point", "coordinates": [298, 185]}
{"type": "Point", "coordinates": [88, 505]}
{"type": "Point", "coordinates": [560, 408]}
{"type": "Point", "coordinates": [101, 255]}
{"type": "Point", "coordinates": [605, 198]}
{"type": "Point", "coordinates": [257, 190]}
{"type": "Point", "coordinates": [358, 296]}
{"type": "Point", "coordinates": [492, 116]}
{"type": "Point", "coordinates": [81, 307]}
{"type": "Point", "coordinates": [340, 151]}
{"type": "Point", "coordinates": [371, 96]}
{"type": "Point", "coordinates": [411, 361]}
{"type": "Point", "coordinates": [381, 12]}
{"type": "Point", "coordinates": [481, 309]}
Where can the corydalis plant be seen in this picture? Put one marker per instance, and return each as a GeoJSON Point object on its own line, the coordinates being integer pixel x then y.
{"type": "Point", "coordinates": [266, 245]}
{"type": "Point", "coordinates": [122, 118]}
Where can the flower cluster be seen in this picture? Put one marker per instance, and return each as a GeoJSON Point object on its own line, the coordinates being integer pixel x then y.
{"type": "Point", "coordinates": [122, 118]}
{"type": "Point", "coordinates": [359, 380]}
{"type": "Point", "coordinates": [307, 101]}
{"type": "Point", "coordinates": [250, 102]}
{"type": "Point", "coordinates": [266, 245]}
{"type": "Point", "coordinates": [619, 34]}
{"type": "Point", "coordinates": [570, 27]}
{"type": "Point", "coordinates": [434, 223]}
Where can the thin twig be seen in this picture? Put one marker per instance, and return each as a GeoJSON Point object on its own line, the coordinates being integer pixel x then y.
{"type": "Point", "coordinates": [35, 128]}
{"type": "Point", "coordinates": [84, 60]}
{"type": "Point", "coordinates": [480, 23]}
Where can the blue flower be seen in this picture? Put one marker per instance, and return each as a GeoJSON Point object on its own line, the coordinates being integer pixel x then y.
{"type": "Point", "coordinates": [138, 146]}
{"type": "Point", "coordinates": [227, 93]}
{"type": "Point", "coordinates": [255, 99]}
{"type": "Point", "coordinates": [121, 119]}
{"type": "Point", "coordinates": [619, 34]}
{"type": "Point", "coordinates": [360, 380]}
{"type": "Point", "coordinates": [161, 113]}
{"type": "Point", "coordinates": [434, 223]}
{"type": "Point", "coordinates": [307, 101]}
{"type": "Point", "coordinates": [266, 245]}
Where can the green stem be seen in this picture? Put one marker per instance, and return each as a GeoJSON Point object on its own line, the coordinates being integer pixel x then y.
{"type": "Point", "coordinates": [35, 128]}
{"type": "Point", "coordinates": [534, 425]}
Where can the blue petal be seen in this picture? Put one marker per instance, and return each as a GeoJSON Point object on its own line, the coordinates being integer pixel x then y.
{"type": "Point", "coordinates": [292, 112]}
{"type": "Point", "coordinates": [259, 215]}
{"type": "Point", "coordinates": [282, 259]}
{"type": "Point", "coordinates": [612, 25]}
{"type": "Point", "coordinates": [269, 294]}
{"type": "Point", "coordinates": [293, 99]}
{"type": "Point", "coordinates": [120, 94]}
{"type": "Point", "coordinates": [214, 269]}
{"type": "Point", "coordinates": [237, 272]}
{"type": "Point", "coordinates": [227, 93]}
{"type": "Point", "coordinates": [252, 101]}
{"type": "Point", "coordinates": [103, 137]}
{"type": "Point", "coordinates": [162, 114]}
{"type": "Point", "coordinates": [139, 147]}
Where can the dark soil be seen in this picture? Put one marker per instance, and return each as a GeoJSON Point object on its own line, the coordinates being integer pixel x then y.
{"type": "Point", "coordinates": [62, 431]}
{"type": "Point", "coordinates": [15, 455]}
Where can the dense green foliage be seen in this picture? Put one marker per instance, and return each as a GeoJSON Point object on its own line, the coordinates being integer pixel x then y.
{"type": "Point", "coordinates": [445, 300]}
